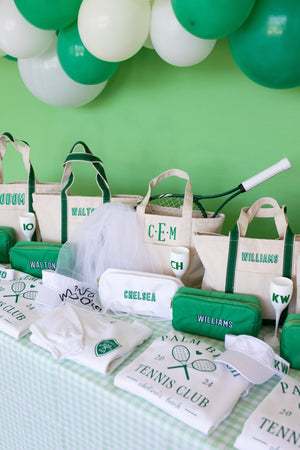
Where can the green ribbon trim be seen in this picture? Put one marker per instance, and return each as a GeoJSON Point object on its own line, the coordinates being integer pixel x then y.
{"type": "Point", "coordinates": [100, 179]}
{"type": "Point", "coordinates": [64, 210]}
{"type": "Point", "coordinates": [288, 253]}
{"type": "Point", "coordinates": [82, 157]}
{"type": "Point", "coordinates": [231, 262]}
{"type": "Point", "coordinates": [31, 188]}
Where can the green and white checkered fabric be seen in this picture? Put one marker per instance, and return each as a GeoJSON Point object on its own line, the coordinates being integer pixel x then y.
{"type": "Point", "coordinates": [46, 404]}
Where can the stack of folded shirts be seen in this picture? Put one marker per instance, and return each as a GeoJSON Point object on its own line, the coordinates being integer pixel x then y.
{"type": "Point", "coordinates": [97, 341]}
{"type": "Point", "coordinates": [17, 306]}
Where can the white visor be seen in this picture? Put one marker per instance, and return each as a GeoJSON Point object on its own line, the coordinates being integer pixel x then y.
{"type": "Point", "coordinates": [253, 358]}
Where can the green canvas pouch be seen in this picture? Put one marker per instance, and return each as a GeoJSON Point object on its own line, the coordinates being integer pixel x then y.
{"type": "Point", "coordinates": [33, 257]}
{"type": "Point", "coordinates": [289, 340]}
{"type": "Point", "coordinates": [215, 314]}
{"type": "Point", "coordinates": [7, 240]}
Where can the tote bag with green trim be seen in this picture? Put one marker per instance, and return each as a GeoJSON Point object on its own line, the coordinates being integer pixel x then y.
{"type": "Point", "coordinates": [165, 227]}
{"type": "Point", "coordinates": [16, 197]}
{"type": "Point", "coordinates": [243, 265]}
{"type": "Point", "coordinates": [60, 213]}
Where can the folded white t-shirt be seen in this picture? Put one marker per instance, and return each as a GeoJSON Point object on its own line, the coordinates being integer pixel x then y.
{"type": "Point", "coordinates": [17, 306]}
{"type": "Point", "coordinates": [177, 373]}
{"type": "Point", "coordinates": [275, 423]}
{"type": "Point", "coordinates": [102, 345]}
{"type": "Point", "coordinates": [59, 331]}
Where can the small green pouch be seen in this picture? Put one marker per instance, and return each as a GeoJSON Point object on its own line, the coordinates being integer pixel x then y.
{"type": "Point", "coordinates": [7, 240]}
{"type": "Point", "coordinates": [290, 340]}
{"type": "Point", "coordinates": [215, 314]}
{"type": "Point", "coordinates": [33, 257]}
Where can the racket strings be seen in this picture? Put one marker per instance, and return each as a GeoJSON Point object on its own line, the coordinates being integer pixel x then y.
{"type": "Point", "coordinates": [30, 295]}
{"type": "Point", "coordinates": [181, 353]}
{"type": "Point", "coordinates": [176, 200]}
{"type": "Point", "coordinates": [203, 365]}
{"type": "Point", "coordinates": [18, 287]}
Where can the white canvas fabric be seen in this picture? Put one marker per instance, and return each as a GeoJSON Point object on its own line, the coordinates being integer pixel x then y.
{"type": "Point", "coordinates": [141, 293]}
{"type": "Point", "coordinates": [17, 306]}
{"type": "Point", "coordinates": [275, 423]}
{"type": "Point", "coordinates": [177, 374]}
{"type": "Point", "coordinates": [257, 260]}
{"type": "Point", "coordinates": [167, 227]}
{"type": "Point", "coordinates": [107, 341]}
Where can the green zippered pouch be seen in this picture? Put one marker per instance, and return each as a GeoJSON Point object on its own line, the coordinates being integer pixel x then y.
{"type": "Point", "coordinates": [33, 257]}
{"type": "Point", "coordinates": [7, 240]}
{"type": "Point", "coordinates": [290, 340]}
{"type": "Point", "coordinates": [215, 314]}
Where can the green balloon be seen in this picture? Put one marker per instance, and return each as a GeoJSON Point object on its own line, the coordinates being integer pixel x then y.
{"type": "Point", "coordinates": [49, 14]}
{"type": "Point", "coordinates": [78, 63]}
{"type": "Point", "coordinates": [267, 46]}
{"type": "Point", "coordinates": [212, 19]}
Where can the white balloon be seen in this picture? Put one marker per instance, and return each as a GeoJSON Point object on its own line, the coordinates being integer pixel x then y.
{"type": "Point", "coordinates": [45, 78]}
{"type": "Point", "coordinates": [113, 30]}
{"type": "Point", "coordinates": [18, 38]}
{"type": "Point", "coordinates": [172, 42]}
{"type": "Point", "coordinates": [148, 43]}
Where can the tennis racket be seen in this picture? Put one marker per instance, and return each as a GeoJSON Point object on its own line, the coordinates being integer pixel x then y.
{"type": "Point", "coordinates": [204, 365]}
{"type": "Point", "coordinates": [176, 200]}
{"type": "Point", "coordinates": [17, 287]}
{"type": "Point", "coordinates": [182, 355]}
{"type": "Point", "coordinates": [29, 295]}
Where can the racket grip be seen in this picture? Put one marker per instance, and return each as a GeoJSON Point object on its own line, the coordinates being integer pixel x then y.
{"type": "Point", "coordinates": [282, 165]}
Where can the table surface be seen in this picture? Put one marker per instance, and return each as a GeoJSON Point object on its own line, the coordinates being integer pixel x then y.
{"type": "Point", "coordinates": [46, 404]}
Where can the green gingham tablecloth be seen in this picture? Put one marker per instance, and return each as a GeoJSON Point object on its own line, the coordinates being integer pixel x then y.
{"type": "Point", "coordinates": [46, 404]}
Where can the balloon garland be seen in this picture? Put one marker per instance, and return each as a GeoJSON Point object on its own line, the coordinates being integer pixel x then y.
{"type": "Point", "coordinates": [266, 47]}
{"type": "Point", "coordinates": [67, 51]}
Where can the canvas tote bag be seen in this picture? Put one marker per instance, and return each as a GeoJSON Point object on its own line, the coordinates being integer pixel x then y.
{"type": "Point", "coordinates": [167, 227]}
{"type": "Point", "coordinates": [60, 213]}
{"type": "Point", "coordinates": [243, 265]}
{"type": "Point", "coordinates": [16, 197]}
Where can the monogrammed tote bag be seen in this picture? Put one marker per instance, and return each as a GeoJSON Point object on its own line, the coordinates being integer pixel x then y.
{"type": "Point", "coordinates": [244, 265]}
{"type": "Point", "coordinates": [167, 227]}
{"type": "Point", "coordinates": [16, 196]}
{"type": "Point", "coordinates": [60, 213]}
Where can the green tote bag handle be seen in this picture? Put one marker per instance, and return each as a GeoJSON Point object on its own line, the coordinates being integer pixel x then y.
{"type": "Point", "coordinates": [85, 156]}
{"type": "Point", "coordinates": [24, 149]}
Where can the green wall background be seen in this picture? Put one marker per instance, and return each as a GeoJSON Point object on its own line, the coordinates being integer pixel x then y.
{"type": "Point", "coordinates": [209, 120]}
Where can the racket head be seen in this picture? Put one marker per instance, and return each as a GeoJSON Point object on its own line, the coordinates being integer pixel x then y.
{"type": "Point", "coordinates": [204, 365]}
{"type": "Point", "coordinates": [181, 353]}
{"type": "Point", "coordinates": [174, 201]}
{"type": "Point", "coordinates": [18, 286]}
{"type": "Point", "coordinates": [29, 295]}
